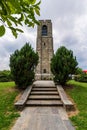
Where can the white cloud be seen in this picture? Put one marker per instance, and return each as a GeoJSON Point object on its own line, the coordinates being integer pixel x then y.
{"type": "Point", "coordinates": [69, 18]}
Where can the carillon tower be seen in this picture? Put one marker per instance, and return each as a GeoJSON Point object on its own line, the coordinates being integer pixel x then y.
{"type": "Point", "coordinates": [44, 47]}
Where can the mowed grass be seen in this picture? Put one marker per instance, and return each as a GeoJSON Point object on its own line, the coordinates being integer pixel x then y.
{"type": "Point", "coordinates": [79, 95]}
{"type": "Point", "coordinates": [8, 113]}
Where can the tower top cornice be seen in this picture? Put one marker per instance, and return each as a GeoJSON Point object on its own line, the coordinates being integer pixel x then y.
{"type": "Point", "coordinates": [47, 20]}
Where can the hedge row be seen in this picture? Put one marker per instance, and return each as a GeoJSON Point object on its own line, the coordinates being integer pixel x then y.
{"type": "Point", "coordinates": [81, 78]}
{"type": "Point", "coordinates": [5, 76]}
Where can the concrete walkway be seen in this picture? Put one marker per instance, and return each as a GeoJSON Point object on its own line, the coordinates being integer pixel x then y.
{"type": "Point", "coordinates": [43, 118]}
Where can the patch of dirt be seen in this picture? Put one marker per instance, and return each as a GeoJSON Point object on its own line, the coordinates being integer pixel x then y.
{"type": "Point", "coordinates": [68, 87]}
{"type": "Point", "coordinates": [75, 111]}
{"type": "Point", "coordinates": [9, 90]}
{"type": "Point", "coordinates": [18, 96]}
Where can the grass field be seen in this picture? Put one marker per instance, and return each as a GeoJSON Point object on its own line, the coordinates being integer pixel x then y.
{"type": "Point", "coordinates": [79, 95]}
{"type": "Point", "coordinates": [8, 113]}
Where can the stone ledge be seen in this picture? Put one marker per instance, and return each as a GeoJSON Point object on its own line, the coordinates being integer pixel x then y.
{"type": "Point", "coordinates": [68, 105]}
{"type": "Point", "coordinates": [21, 102]}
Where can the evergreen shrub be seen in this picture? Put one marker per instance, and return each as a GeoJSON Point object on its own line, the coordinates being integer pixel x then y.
{"type": "Point", "coordinates": [22, 64]}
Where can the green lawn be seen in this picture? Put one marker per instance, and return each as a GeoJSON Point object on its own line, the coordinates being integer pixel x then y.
{"type": "Point", "coordinates": [79, 95]}
{"type": "Point", "coordinates": [8, 113]}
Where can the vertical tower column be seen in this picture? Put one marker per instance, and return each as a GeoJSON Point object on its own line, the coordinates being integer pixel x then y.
{"type": "Point", "coordinates": [44, 47]}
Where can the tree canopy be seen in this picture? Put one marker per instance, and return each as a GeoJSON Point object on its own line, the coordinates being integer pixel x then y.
{"type": "Point", "coordinates": [63, 64]}
{"type": "Point", "coordinates": [18, 12]}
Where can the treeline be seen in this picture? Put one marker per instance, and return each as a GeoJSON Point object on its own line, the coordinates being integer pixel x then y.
{"type": "Point", "coordinates": [5, 76]}
{"type": "Point", "coordinates": [81, 77]}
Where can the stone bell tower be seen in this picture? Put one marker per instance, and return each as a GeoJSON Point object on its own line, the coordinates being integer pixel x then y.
{"type": "Point", "coordinates": [44, 47]}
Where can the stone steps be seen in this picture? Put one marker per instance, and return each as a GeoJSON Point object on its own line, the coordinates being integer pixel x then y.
{"type": "Point", "coordinates": [44, 89]}
{"type": "Point", "coordinates": [43, 103]}
{"type": "Point", "coordinates": [45, 97]}
{"type": "Point", "coordinates": [43, 86]}
{"type": "Point", "coordinates": [43, 93]}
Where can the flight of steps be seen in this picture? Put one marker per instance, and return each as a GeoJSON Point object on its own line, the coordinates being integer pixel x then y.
{"type": "Point", "coordinates": [44, 96]}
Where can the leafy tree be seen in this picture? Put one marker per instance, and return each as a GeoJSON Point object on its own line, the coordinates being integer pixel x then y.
{"type": "Point", "coordinates": [81, 78]}
{"type": "Point", "coordinates": [80, 75]}
{"type": "Point", "coordinates": [63, 64]}
{"type": "Point", "coordinates": [17, 12]}
{"type": "Point", "coordinates": [79, 71]}
{"type": "Point", "coordinates": [22, 64]}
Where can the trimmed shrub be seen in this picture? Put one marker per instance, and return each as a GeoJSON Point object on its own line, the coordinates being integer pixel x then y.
{"type": "Point", "coordinates": [22, 64]}
{"type": "Point", "coordinates": [63, 64]}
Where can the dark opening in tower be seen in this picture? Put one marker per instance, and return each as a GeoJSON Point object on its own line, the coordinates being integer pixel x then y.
{"type": "Point", "coordinates": [44, 30]}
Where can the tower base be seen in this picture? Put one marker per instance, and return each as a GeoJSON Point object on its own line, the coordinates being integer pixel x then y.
{"type": "Point", "coordinates": [43, 76]}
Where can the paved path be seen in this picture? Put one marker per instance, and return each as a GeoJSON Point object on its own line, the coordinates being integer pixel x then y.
{"type": "Point", "coordinates": [43, 118]}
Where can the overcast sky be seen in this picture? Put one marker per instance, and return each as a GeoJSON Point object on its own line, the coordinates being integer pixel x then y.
{"type": "Point", "coordinates": [69, 19]}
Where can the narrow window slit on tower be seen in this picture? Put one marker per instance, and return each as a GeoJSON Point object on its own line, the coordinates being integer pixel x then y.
{"type": "Point", "coordinates": [44, 70]}
{"type": "Point", "coordinates": [44, 44]}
